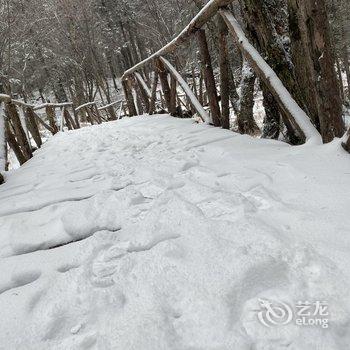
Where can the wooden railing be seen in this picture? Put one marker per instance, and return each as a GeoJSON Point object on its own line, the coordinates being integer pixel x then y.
{"type": "Point", "coordinates": [135, 87]}
{"type": "Point", "coordinates": [21, 124]}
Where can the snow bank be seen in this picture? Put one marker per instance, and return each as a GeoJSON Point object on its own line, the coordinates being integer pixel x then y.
{"type": "Point", "coordinates": [158, 233]}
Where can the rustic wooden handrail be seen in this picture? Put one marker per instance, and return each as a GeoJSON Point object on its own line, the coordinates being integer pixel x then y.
{"type": "Point", "coordinates": [208, 11]}
{"type": "Point", "coordinates": [291, 110]}
{"type": "Point", "coordinates": [53, 105]}
{"type": "Point", "coordinates": [85, 105]}
{"type": "Point", "coordinates": [109, 105]}
{"type": "Point", "coordinates": [21, 125]}
{"type": "Point", "coordinates": [295, 113]}
{"type": "Point", "coordinates": [193, 99]}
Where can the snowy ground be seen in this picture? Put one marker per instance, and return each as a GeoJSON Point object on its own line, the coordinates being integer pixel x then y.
{"type": "Point", "coordinates": [157, 233]}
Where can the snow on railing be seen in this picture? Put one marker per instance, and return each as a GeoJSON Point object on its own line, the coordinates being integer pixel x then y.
{"type": "Point", "coordinates": [88, 104]}
{"type": "Point", "coordinates": [22, 124]}
{"type": "Point", "coordinates": [208, 11]}
{"type": "Point", "coordinates": [109, 105]}
{"type": "Point", "coordinates": [54, 105]}
{"type": "Point", "coordinates": [299, 118]}
{"type": "Point", "coordinates": [193, 99]}
{"type": "Point", "coordinates": [293, 112]}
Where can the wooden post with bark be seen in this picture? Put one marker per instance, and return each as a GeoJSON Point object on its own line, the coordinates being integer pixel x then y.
{"type": "Point", "coordinates": [129, 97]}
{"type": "Point", "coordinates": [144, 89]}
{"type": "Point", "coordinates": [163, 77]}
{"type": "Point", "coordinates": [245, 120]}
{"type": "Point", "coordinates": [51, 116]}
{"type": "Point", "coordinates": [18, 131]}
{"type": "Point", "coordinates": [96, 112]}
{"type": "Point", "coordinates": [33, 126]}
{"type": "Point", "coordinates": [296, 116]}
{"type": "Point", "coordinates": [173, 96]}
{"type": "Point", "coordinates": [13, 143]}
{"type": "Point", "coordinates": [3, 146]}
{"type": "Point", "coordinates": [68, 119]}
{"type": "Point", "coordinates": [209, 77]}
{"type": "Point", "coordinates": [152, 103]}
{"type": "Point", "coordinates": [224, 74]}
{"type": "Point", "coordinates": [188, 91]}
{"type": "Point", "coordinates": [315, 68]}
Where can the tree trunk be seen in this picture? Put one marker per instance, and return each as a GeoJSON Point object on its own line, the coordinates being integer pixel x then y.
{"type": "Point", "coordinates": [209, 78]}
{"type": "Point", "coordinates": [129, 97]}
{"type": "Point", "coordinates": [345, 55]}
{"type": "Point", "coordinates": [314, 61]}
{"type": "Point", "coordinates": [173, 96]}
{"type": "Point", "coordinates": [3, 146]}
{"type": "Point", "coordinates": [245, 121]}
{"type": "Point", "coordinates": [163, 76]}
{"type": "Point", "coordinates": [272, 118]}
{"type": "Point", "coordinates": [224, 74]}
{"type": "Point", "coordinates": [261, 28]}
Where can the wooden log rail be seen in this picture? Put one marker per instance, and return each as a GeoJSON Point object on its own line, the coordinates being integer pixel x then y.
{"type": "Point", "coordinates": [137, 92]}
{"type": "Point", "coordinates": [20, 124]}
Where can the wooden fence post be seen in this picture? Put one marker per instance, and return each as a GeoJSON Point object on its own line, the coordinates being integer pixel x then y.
{"type": "Point", "coordinates": [111, 113]}
{"type": "Point", "coordinates": [76, 119]}
{"type": "Point", "coordinates": [18, 130]}
{"type": "Point", "coordinates": [22, 117]}
{"type": "Point", "coordinates": [3, 147]}
{"type": "Point", "coordinates": [97, 112]}
{"type": "Point", "coordinates": [163, 76]}
{"type": "Point", "coordinates": [188, 91]}
{"type": "Point", "coordinates": [152, 104]}
{"type": "Point", "coordinates": [68, 119]}
{"type": "Point", "coordinates": [173, 95]}
{"type": "Point", "coordinates": [129, 97]}
{"type": "Point", "coordinates": [89, 115]}
{"type": "Point", "coordinates": [209, 77]}
{"type": "Point", "coordinates": [10, 137]}
{"type": "Point", "coordinates": [51, 116]}
{"type": "Point", "coordinates": [137, 94]}
{"type": "Point", "coordinates": [145, 92]}
{"type": "Point", "coordinates": [224, 74]}
{"type": "Point", "coordinates": [33, 126]}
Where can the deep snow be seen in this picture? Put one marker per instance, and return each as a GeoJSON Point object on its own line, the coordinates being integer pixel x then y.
{"type": "Point", "coordinates": [159, 233]}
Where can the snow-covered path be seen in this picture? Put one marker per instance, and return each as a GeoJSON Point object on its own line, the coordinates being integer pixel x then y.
{"type": "Point", "coordinates": [157, 233]}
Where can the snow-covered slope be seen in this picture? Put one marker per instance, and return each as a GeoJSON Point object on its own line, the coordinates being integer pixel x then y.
{"type": "Point", "coordinates": [157, 233]}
